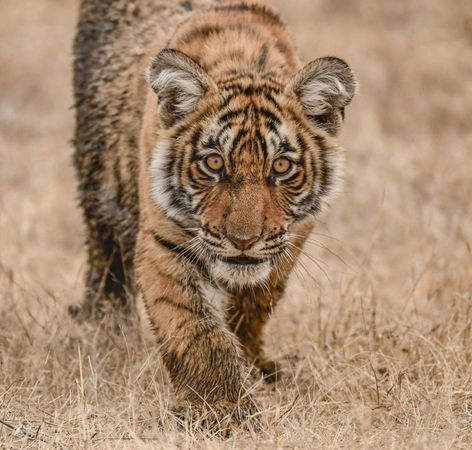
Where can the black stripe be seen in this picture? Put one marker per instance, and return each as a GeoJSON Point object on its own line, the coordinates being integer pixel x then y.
{"type": "Point", "coordinates": [202, 32]}
{"type": "Point", "coordinates": [269, 115]}
{"type": "Point", "coordinates": [180, 160]}
{"type": "Point", "coordinates": [230, 115]}
{"type": "Point", "coordinates": [250, 88]}
{"type": "Point", "coordinates": [287, 146]}
{"type": "Point", "coordinates": [326, 173]}
{"type": "Point", "coordinates": [180, 251]}
{"type": "Point", "coordinates": [237, 77]}
{"type": "Point", "coordinates": [268, 94]}
{"type": "Point", "coordinates": [263, 144]}
{"type": "Point", "coordinates": [222, 131]}
{"type": "Point", "coordinates": [293, 177]}
{"type": "Point", "coordinates": [274, 129]}
{"type": "Point", "coordinates": [301, 142]}
{"type": "Point", "coordinates": [212, 234]}
{"type": "Point", "coordinates": [195, 140]}
{"type": "Point", "coordinates": [262, 59]}
{"type": "Point", "coordinates": [242, 133]}
{"type": "Point", "coordinates": [311, 203]}
{"type": "Point", "coordinates": [210, 143]}
{"type": "Point", "coordinates": [256, 9]}
{"type": "Point", "coordinates": [314, 168]}
{"type": "Point", "coordinates": [180, 225]}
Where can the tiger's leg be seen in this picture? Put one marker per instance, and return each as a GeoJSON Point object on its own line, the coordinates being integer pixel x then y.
{"type": "Point", "coordinates": [109, 285]}
{"type": "Point", "coordinates": [110, 228]}
{"type": "Point", "coordinates": [108, 277]}
{"type": "Point", "coordinates": [202, 356]}
{"type": "Point", "coordinates": [246, 315]}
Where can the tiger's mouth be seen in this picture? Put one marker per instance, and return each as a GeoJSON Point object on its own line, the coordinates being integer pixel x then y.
{"type": "Point", "coordinates": [241, 270]}
{"type": "Point", "coordinates": [243, 260]}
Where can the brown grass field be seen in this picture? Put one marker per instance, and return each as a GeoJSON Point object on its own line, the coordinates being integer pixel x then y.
{"type": "Point", "coordinates": [375, 331]}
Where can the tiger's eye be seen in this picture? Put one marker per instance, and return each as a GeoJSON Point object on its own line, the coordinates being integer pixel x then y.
{"type": "Point", "coordinates": [215, 162]}
{"type": "Point", "coordinates": [281, 165]}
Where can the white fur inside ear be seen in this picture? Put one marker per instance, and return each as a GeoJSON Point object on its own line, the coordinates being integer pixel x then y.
{"type": "Point", "coordinates": [179, 83]}
{"type": "Point", "coordinates": [324, 85]}
{"type": "Point", "coordinates": [184, 86]}
{"type": "Point", "coordinates": [317, 94]}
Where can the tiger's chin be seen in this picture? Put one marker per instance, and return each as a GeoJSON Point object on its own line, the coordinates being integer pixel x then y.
{"type": "Point", "coordinates": [240, 275]}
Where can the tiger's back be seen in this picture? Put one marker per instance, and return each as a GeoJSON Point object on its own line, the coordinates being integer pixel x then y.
{"type": "Point", "coordinates": [111, 50]}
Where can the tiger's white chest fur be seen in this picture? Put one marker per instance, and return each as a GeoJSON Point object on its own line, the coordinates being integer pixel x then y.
{"type": "Point", "coordinates": [215, 298]}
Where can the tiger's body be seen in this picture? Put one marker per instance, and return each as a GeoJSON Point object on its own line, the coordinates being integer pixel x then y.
{"type": "Point", "coordinates": [200, 184]}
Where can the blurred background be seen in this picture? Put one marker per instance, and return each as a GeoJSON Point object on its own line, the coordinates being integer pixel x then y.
{"type": "Point", "coordinates": [396, 245]}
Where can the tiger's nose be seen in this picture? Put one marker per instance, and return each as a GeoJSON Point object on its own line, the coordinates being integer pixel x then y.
{"type": "Point", "coordinates": [242, 244]}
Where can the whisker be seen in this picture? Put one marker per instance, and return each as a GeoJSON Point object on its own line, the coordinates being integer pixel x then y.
{"type": "Point", "coordinates": [314, 261]}
{"type": "Point", "coordinates": [309, 256]}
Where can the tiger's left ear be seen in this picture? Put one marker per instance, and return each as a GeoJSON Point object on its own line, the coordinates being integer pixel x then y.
{"type": "Point", "coordinates": [325, 87]}
{"type": "Point", "coordinates": [179, 83]}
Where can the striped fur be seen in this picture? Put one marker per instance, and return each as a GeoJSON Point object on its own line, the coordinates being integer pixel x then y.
{"type": "Point", "coordinates": [209, 249]}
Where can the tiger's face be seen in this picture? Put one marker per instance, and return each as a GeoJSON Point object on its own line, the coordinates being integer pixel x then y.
{"type": "Point", "coordinates": [242, 166]}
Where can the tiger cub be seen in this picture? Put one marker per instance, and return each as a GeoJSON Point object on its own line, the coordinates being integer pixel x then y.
{"type": "Point", "coordinates": [205, 151]}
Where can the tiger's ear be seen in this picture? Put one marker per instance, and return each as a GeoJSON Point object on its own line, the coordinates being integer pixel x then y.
{"type": "Point", "coordinates": [179, 83]}
{"type": "Point", "coordinates": [325, 87]}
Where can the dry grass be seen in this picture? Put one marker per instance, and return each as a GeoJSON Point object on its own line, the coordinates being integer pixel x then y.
{"type": "Point", "coordinates": [376, 344]}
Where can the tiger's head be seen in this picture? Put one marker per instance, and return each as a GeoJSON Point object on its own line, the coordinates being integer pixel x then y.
{"type": "Point", "coordinates": [240, 162]}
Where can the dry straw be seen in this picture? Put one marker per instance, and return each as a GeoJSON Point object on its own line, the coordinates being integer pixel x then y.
{"type": "Point", "coordinates": [375, 329]}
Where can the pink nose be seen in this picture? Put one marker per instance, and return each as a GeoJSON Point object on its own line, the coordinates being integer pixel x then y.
{"type": "Point", "coordinates": [242, 244]}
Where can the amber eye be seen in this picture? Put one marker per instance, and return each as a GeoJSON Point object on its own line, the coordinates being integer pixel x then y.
{"type": "Point", "coordinates": [281, 165]}
{"type": "Point", "coordinates": [215, 162]}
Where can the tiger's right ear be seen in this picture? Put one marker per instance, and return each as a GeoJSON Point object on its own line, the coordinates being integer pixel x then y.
{"type": "Point", "coordinates": [179, 83]}
{"type": "Point", "coordinates": [324, 88]}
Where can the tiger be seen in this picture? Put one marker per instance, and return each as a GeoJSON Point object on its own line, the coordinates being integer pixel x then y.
{"type": "Point", "coordinates": [205, 152]}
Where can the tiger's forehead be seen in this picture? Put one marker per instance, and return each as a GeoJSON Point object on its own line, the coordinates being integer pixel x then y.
{"type": "Point", "coordinates": [249, 83]}
{"type": "Point", "coordinates": [250, 123]}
